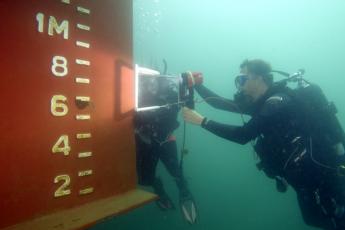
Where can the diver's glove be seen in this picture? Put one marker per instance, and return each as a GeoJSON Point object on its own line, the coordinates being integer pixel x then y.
{"type": "Point", "coordinates": [194, 78]}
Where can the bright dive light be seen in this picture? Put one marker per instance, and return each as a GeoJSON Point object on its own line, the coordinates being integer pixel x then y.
{"type": "Point", "coordinates": [142, 71]}
{"type": "Point", "coordinates": [154, 91]}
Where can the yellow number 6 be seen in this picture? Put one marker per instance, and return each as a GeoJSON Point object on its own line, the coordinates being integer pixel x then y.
{"type": "Point", "coordinates": [57, 108]}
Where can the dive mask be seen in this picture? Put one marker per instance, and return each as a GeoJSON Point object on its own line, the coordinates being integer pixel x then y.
{"type": "Point", "coordinates": [240, 80]}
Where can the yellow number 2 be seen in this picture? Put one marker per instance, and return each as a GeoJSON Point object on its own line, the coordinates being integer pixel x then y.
{"type": "Point", "coordinates": [63, 189]}
{"type": "Point", "coordinates": [63, 140]}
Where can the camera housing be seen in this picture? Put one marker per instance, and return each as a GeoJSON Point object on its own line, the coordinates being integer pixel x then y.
{"type": "Point", "coordinates": [154, 90]}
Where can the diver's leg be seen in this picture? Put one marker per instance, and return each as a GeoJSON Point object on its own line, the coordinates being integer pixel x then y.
{"type": "Point", "coordinates": [312, 212]}
{"type": "Point", "coordinates": [187, 204]}
{"type": "Point", "coordinates": [147, 164]}
{"type": "Point", "coordinates": [168, 156]}
{"type": "Point", "coordinates": [164, 202]}
{"type": "Point", "coordinates": [335, 192]}
{"type": "Point", "coordinates": [147, 159]}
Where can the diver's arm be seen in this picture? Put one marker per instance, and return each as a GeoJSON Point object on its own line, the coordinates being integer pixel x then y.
{"type": "Point", "coordinates": [239, 134]}
{"type": "Point", "coordinates": [216, 101]}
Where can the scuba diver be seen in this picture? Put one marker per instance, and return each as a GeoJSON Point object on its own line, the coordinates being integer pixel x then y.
{"type": "Point", "coordinates": [155, 141]}
{"type": "Point", "coordinates": [298, 138]}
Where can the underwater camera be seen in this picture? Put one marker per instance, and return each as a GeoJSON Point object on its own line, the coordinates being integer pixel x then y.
{"type": "Point", "coordinates": [159, 91]}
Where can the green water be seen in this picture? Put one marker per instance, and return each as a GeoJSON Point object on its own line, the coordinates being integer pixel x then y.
{"type": "Point", "coordinates": [214, 37]}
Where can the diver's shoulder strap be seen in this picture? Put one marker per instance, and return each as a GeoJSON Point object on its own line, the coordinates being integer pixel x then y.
{"type": "Point", "coordinates": [275, 103]}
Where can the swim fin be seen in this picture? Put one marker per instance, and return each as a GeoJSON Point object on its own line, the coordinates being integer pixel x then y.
{"type": "Point", "coordinates": [188, 209]}
{"type": "Point", "coordinates": [164, 203]}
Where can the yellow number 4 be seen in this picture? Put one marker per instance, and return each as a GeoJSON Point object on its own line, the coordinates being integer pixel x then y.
{"type": "Point", "coordinates": [62, 146]}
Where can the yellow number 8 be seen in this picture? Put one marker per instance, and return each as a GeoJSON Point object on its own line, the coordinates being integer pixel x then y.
{"type": "Point", "coordinates": [59, 66]}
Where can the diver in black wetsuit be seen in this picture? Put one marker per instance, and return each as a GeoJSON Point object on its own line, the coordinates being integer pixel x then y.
{"type": "Point", "coordinates": [294, 142]}
{"type": "Point", "coordinates": [155, 141]}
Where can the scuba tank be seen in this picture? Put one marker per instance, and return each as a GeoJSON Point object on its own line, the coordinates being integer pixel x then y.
{"type": "Point", "coordinates": [320, 113]}
{"type": "Point", "coordinates": [322, 128]}
{"type": "Point", "coordinates": [320, 123]}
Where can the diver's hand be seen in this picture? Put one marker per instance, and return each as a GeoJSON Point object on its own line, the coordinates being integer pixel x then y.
{"type": "Point", "coordinates": [195, 78]}
{"type": "Point", "coordinates": [192, 116]}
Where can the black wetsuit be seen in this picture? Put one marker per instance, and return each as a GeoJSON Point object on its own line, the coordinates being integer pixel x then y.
{"type": "Point", "coordinates": [287, 149]}
{"type": "Point", "coordinates": [154, 142]}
